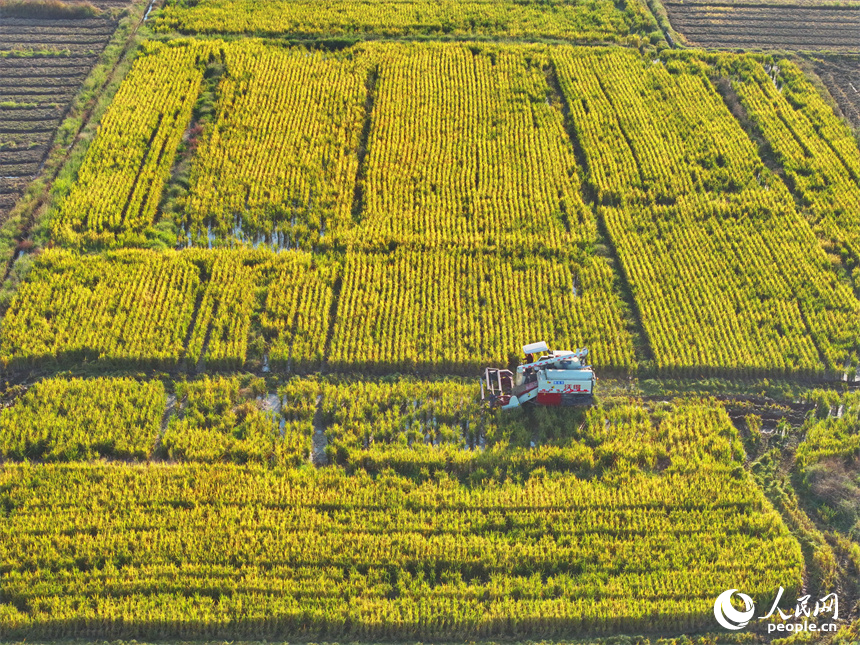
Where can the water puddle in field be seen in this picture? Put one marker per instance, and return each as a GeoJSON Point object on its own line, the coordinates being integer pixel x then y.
{"type": "Point", "coordinates": [270, 403]}
{"type": "Point", "coordinates": [149, 10]}
{"type": "Point", "coordinates": [273, 404]}
{"type": "Point", "coordinates": [169, 411]}
{"type": "Point", "coordinates": [190, 241]}
{"type": "Point", "coordinates": [276, 241]}
{"type": "Point", "coordinates": [320, 442]}
{"type": "Point", "coordinates": [848, 378]}
{"type": "Point", "coordinates": [16, 256]}
{"type": "Point", "coordinates": [768, 427]}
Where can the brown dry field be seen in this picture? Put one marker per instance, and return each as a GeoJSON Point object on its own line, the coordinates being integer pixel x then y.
{"type": "Point", "coordinates": [802, 27]}
{"type": "Point", "coordinates": [841, 75]}
{"type": "Point", "coordinates": [42, 65]}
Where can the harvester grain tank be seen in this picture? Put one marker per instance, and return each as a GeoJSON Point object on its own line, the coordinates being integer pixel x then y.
{"type": "Point", "coordinates": [548, 377]}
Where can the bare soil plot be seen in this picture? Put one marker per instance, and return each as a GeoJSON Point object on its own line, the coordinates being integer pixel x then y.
{"type": "Point", "coordinates": [42, 64]}
{"type": "Point", "coordinates": [75, 35]}
{"type": "Point", "coordinates": [110, 5]}
{"type": "Point", "coordinates": [758, 26]}
{"type": "Point", "coordinates": [841, 75]}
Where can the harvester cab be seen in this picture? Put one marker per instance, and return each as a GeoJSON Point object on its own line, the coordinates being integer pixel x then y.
{"type": "Point", "coordinates": [547, 377]}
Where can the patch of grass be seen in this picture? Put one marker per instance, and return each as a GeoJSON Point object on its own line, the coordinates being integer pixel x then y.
{"type": "Point", "coordinates": [822, 569]}
{"type": "Point", "coordinates": [17, 274]}
{"type": "Point", "coordinates": [775, 389]}
{"type": "Point", "coordinates": [834, 485]}
{"type": "Point", "coordinates": [16, 104]}
{"type": "Point", "coordinates": [35, 53]}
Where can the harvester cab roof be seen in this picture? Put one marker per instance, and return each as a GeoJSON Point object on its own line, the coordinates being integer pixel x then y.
{"type": "Point", "coordinates": [546, 377]}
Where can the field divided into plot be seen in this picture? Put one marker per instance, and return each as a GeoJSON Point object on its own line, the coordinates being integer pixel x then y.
{"type": "Point", "coordinates": [77, 36]}
{"type": "Point", "coordinates": [818, 153]}
{"type": "Point", "coordinates": [68, 420]}
{"type": "Point", "coordinates": [466, 151]}
{"type": "Point", "coordinates": [348, 214]}
{"type": "Point", "coordinates": [452, 313]}
{"type": "Point", "coordinates": [196, 308]}
{"type": "Point", "coordinates": [580, 21]}
{"type": "Point", "coordinates": [154, 309]}
{"type": "Point", "coordinates": [119, 185]}
{"type": "Point", "coordinates": [486, 164]}
{"type": "Point", "coordinates": [290, 179]}
{"type": "Point", "coordinates": [481, 174]}
{"type": "Point", "coordinates": [723, 268]}
{"type": "Point", "coordinates": [210, 420]}
{"type": "Point", "coordinates": [240, 186]}
{"type": "Point", "coordinates": [181, 549]}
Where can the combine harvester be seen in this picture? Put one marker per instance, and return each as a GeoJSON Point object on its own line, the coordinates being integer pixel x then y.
{"type": "Point", "coordinates": [558, 378]}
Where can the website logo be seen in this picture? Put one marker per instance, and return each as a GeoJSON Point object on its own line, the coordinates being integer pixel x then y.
{"type": "Point", "coordinates": [804, 618]}
{"type": "Point", "coordinates": [729, 617]}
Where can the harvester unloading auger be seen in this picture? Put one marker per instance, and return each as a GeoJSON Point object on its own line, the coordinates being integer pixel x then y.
{"type": "Point", "coordinates": [558, 378]}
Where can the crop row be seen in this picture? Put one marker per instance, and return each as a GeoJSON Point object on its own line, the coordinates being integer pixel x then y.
{"type": "Point", "coordinates": [69, 420]}
{"type": "Point", "coordinates": [817, 151]}
{"type": "Point", "coordinates": [415, 427]}
{"type": "Point", "coordinates": [407, 424]}
{"type": "Point", "coordinates": [132, 306]}
{"type": "Point", "coordinates": [140, 307]}
{"type": "Point", "coordinates": [467, 150]}
{"type": "Point", "coordinates": [281, 154]}
{"type": "Point", "coordinates": [451, 312]}
{"type": "Point", "coordinates": [579, 21]}
{"type": "Point", "coordinates": [220, 419]}
{"type": "Point", "coordinates": [722, 267]}
{"type": "Point", "coordinates": [487, 163]}
{"type": "Point", "coordinates": [119, 185]}
{"type": "Point", "coordinates": [198, 550]}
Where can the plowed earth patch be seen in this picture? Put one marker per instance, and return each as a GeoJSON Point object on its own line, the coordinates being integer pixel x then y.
{"type": "Point", "coordinates": [42, 65]}
{"type": "Point", "coordinates": [751, 27]}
